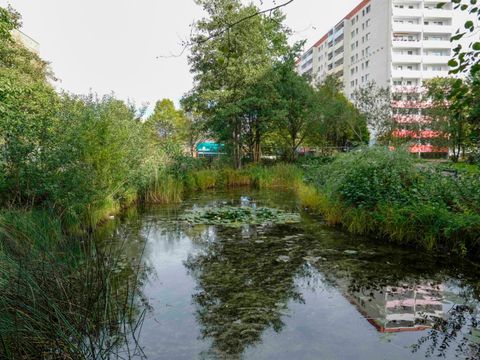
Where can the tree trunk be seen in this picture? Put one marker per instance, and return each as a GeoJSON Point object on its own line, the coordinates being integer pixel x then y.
{"type": "Point", "coordinates": [257, 146]}
{"type": "Point", "coordinates": [237, 147]}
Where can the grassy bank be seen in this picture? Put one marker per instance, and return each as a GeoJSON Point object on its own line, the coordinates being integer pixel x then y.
{"type": "Point", "coordinates": [392, 196]}
{"type": "Point", "coordinates": [63, 297]}
{"type": "Point", "coordinates": [172, 188]}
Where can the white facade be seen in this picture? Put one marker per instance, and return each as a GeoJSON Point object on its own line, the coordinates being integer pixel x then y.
{"type": "Point", "coordinates": [395, 43]}
{"type": "Point", "coordinates": [26, 41]}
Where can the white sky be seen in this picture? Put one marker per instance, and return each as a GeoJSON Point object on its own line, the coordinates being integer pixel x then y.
{"type": "Point", "coordinates": [112, 45]}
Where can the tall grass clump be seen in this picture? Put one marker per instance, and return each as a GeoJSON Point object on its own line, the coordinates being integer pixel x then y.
{"type": "Point", "coordinates": [63, 298]}
{"type": "Point", "coordinates": [390, 194]}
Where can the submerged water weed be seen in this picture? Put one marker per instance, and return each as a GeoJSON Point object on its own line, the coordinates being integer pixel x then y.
{"type": "Point", "coordinates": [234, 216]}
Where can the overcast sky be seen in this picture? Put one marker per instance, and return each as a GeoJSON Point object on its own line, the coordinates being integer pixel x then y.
{"type": "Point", "coordinates": [112, 45]}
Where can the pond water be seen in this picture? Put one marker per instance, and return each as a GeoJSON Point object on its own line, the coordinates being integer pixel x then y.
{"type": "Point", "coordinates": [293, 291]}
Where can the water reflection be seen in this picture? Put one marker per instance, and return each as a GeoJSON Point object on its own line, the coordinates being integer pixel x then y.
{"type": "Point", "coordinates": [407, 307]}
{"type": "Point", "coordinates": [275, 292]}
{"type": "Point", "coordinates": [245, 280]}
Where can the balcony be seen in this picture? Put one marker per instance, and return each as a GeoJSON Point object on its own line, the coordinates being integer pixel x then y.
{"type": "Point", "coordinates": [405, 89]}
{"type": "Point", "coordinates": [438, 13]}
{"type": "Point", "coordinates": [410, 13]}
{"type": "Point", "coordinates": [337, 57]}
{"type": "Point", "coordinates": [406, 59]}
{"type": "Point", "coordinates": [430, 74]}
{"type": "Point", "coordinates": [432, 59]}
{"type": "Point", "coordinates": [438, 29]}
{"type": "Point", "coordinates": [406, 74]}
{"type": "Point", "coordinates": [437, 44]}
{"type": "Point", "coordinates": [407, 28]}
{"type": "Point", "coordinates": [412, 119]}
{"type": "Point", "coordinates": [406, 44]}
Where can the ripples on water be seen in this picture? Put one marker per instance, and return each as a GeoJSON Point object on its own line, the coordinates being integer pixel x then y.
{"type": "Point", "coordinates": [300, 291]}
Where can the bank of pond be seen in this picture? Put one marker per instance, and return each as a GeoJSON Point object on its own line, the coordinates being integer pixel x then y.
{"type": "Point", "coordinates": [157, 283]}
{"type": "Point", "coordinates": [366, 255]}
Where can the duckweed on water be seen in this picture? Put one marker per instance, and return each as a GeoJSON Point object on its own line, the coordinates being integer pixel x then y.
{"type": "Point", "coordinates": [234, 216]}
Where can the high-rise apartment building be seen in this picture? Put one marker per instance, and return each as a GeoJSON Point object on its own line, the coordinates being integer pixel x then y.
{"type": "Point", "coordinates": [26, 41]}
{"type": "Point", "coordinates": [395, 43]}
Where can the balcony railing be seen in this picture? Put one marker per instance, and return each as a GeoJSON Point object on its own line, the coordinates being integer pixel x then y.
{"type": "Point", "coordinates": [438, 29]}
{"type": "Point", "coordinates": [407, 28]}
{"type": "Point", "coordinates": [437, 44]}
{"type": "Point", "coordinates": [406, 59]}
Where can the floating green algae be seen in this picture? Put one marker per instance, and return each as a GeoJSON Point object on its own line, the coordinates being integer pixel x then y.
{"type": "Point", "coordinates": [234, 216]}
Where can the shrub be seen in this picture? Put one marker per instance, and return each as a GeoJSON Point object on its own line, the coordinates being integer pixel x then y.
{"type": "Point", "coordinates": [390, 194]}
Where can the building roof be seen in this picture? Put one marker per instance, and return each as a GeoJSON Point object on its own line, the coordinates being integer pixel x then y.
{"type": "Point", "coordinates": [357, 8]}
{"type": "Point", "coordinates": [349, 16]}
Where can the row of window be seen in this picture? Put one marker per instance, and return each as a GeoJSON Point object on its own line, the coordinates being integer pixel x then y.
{"type": "Point", "coordinates": [365, 11]}
{"type": "Point", "coordinates": [365, 25]}
{"type": "Point", "coordinates": [365, 38]}
{"type": "Point", "coordinates": [364, 79]}
{"type": "Point", "coordinates": [425, 67]}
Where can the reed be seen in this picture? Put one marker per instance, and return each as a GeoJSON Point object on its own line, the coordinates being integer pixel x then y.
{"type": "Point", "coordinates": [61, 298]}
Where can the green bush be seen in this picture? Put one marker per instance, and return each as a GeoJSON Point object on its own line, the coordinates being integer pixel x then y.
{"type": "Point", "coordinates": [390, 194]}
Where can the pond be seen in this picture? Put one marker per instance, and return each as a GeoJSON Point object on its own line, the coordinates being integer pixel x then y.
{"type": "Point", "coordinates": [295, 290]}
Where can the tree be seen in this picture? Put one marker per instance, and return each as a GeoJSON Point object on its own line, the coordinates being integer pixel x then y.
{"type": "Point", "coordinates": [375, 104]}
{"type": "Point", "coordinates": [466, 59]}
{"type": "Point", "coordinates": [449, 111]}
{"type": "Point", "coordinates": [297, 110]}
{"type": "Point", "coordinates": [168, 122]}
{"type": "Point", "coordinates": [27, 105]}
{"type": "Point", "coordinates": [227, 60]}
{"type": "Point", "coordinates": [336, 122]}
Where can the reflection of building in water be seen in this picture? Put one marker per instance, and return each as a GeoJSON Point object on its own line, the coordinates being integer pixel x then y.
{"type": "Point", "coordinates": [403, 308]}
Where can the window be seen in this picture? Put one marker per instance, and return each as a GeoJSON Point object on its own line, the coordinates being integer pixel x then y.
{"type": "Point", "coordinates": [367, 23]}
{"type": "Point", "coordinates": [367, 37]}
{"type": "Point", "coordinates": [367, 10]}
{"type": "Point", "coordinates": [367, 63]}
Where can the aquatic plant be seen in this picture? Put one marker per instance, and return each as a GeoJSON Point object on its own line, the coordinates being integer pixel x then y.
{"type": "Point", "coordinates": [235, 216]}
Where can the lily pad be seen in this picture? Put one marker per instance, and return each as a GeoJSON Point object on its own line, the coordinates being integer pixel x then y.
{"type": "Point", "coordinates": [232, 216]}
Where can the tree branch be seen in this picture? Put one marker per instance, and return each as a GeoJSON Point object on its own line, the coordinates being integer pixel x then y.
{"type": "Point", "coordinates": [187, 44]}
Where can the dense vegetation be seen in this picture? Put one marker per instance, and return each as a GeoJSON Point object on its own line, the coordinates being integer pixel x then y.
{"type": "Point", "coordinates": [69, 162]}
{"type": "Point", "coordinates": [391, 195]}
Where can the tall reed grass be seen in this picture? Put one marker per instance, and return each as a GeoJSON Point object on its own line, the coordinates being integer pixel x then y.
{"type": "Point", "coordinates": [63, 298]}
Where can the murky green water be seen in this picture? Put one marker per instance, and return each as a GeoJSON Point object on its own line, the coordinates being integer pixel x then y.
{"type": "Point", "coordinates": [300, 291]}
